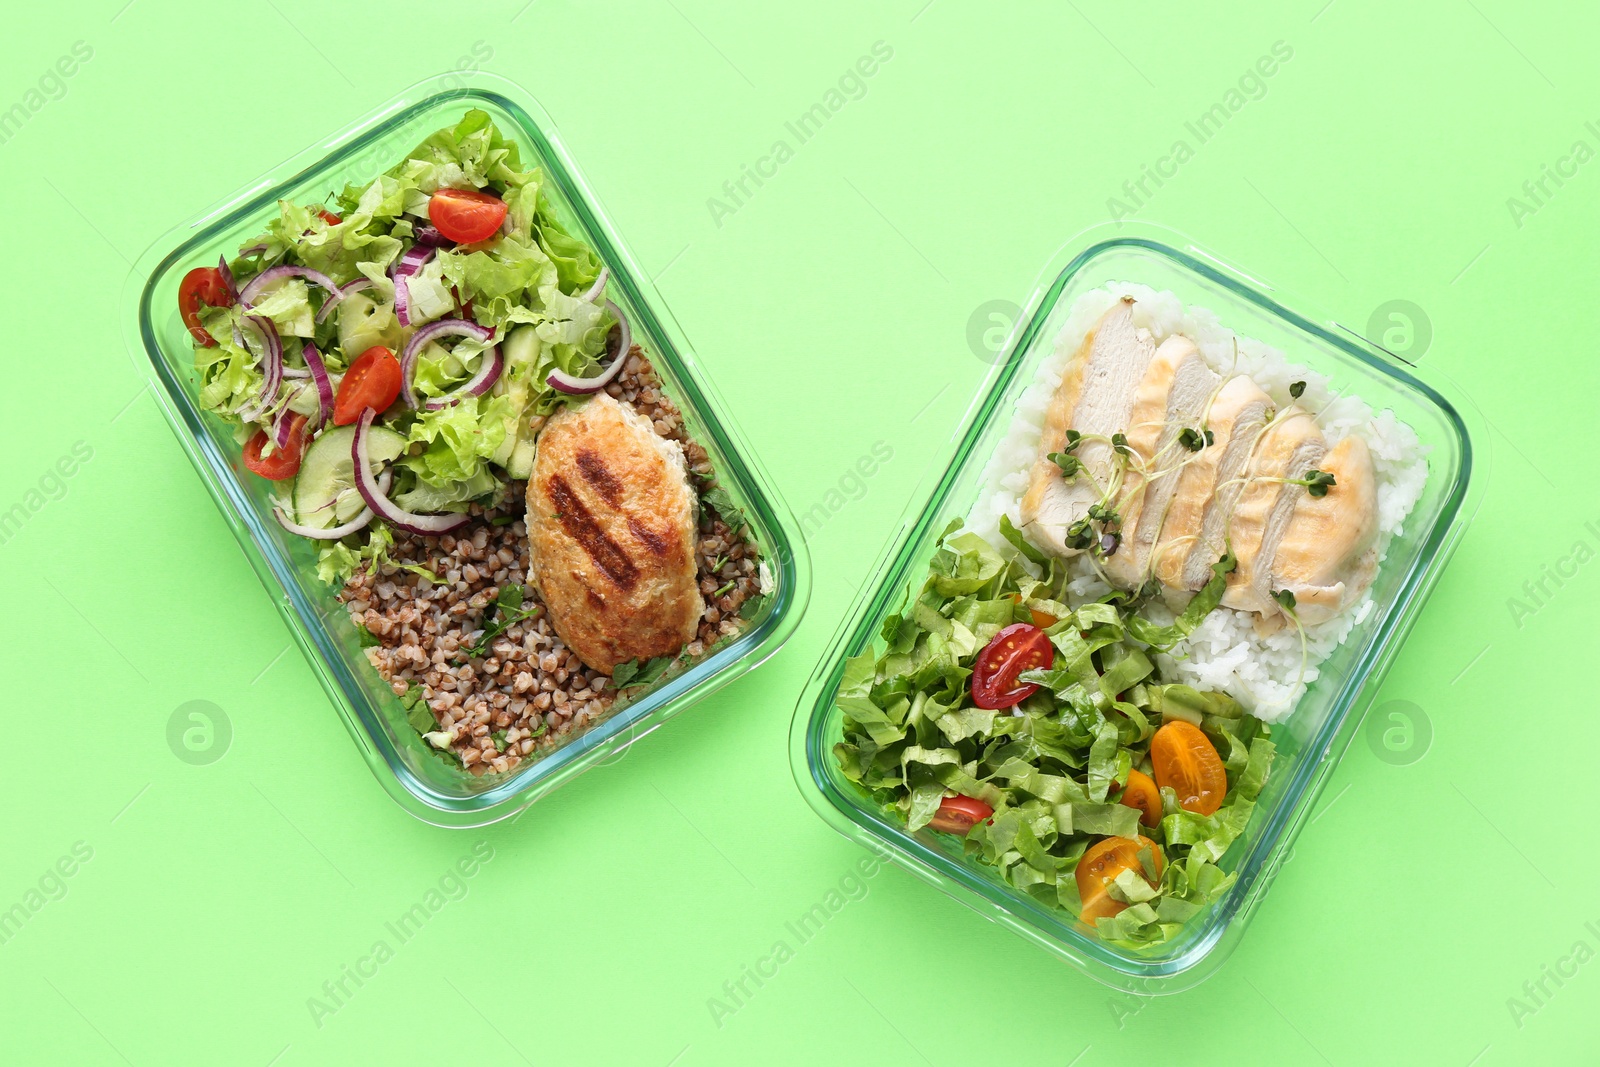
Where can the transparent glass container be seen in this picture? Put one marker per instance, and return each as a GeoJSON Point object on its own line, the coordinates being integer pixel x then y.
{"type": "Point", "coordinates": [1311, 741]}
{"type": "Point", "coordinates": [424, 784]}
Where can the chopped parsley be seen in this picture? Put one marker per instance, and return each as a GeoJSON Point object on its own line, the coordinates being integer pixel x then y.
{"type": "Point", "coordinates": [504, 613]}
{"type": "Point", "coordinates": [634, 673]}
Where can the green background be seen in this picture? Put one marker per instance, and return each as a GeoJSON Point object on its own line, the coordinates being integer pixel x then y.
{"type": "Point", "coordinates": [1446, 866]}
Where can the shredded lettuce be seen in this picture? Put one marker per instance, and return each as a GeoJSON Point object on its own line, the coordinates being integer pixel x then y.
{"type": "Point", "coordinates": [529, 280]}
{"type": "Point", "coordinates": [1052, 766]}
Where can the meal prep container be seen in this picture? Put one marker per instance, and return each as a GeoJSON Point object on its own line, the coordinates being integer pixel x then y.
{"type": "Point", "coordinates": [1313, 738]}
{"type": "Point", "coordinates": [426, 785]}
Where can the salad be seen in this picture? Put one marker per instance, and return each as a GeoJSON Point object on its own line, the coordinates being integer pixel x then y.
{"type": "Point", "coordinates": [391, 360]}
{"type": "Point", "coordinates": [446, 283]}
{"type": "Point", "coordinates": [1042, 736]}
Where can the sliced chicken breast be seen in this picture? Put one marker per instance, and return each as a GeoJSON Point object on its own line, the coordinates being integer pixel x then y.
{"type": "Point", "coordinates": [611, 522]}
{"type": "Point", "coordinates": [1176, 390]}
{"type": "Point", "coordinates": [1096, 396]}
{"type": "Point", "coordinates": [1291, 445]}
{"type": "Point", "coordinates": [1192, 538]}
{"type": "Point", "coordinates": [1328, 556]}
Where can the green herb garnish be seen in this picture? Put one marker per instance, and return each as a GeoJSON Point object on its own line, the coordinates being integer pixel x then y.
{"type": "Point", "coordinates": [1119, 443]}
{"type": "Point", "coordinates": [1297, 389]}
{"type": "Point", "coordinates": [1285, 599]}
{"type": "Point", "coordinates": [1070, 465]}
{"type": "Point", "coordinates": [718, 500]}
{"type": "Point", "coordinates": [1317, 482]}
{"type": "Point", "coordinates": [1195, 440]}
{"type": "Point", "coordinates": [505, 612]}
{"type": "Point", "coordinates": [636, 673]}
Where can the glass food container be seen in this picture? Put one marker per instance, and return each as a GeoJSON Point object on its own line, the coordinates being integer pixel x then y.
{"type": "Point", "coordinates": [1312, 739]}
{"type": "Point", "coordinates": [433, 789]}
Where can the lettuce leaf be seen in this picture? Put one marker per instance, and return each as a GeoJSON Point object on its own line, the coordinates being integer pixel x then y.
{"type": "Point", "coordinates": [1050, 767]}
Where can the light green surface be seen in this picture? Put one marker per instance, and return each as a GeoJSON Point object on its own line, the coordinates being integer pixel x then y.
{"type": "Point", "coordinates": [833, 306]}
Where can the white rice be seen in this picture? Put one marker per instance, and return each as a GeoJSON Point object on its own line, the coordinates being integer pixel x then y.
{"type": "Point", "coordinates": [1264, 673]}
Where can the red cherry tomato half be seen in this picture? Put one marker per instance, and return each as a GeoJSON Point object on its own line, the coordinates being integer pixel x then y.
{"type": "Point", "coordinates": [373, 381]}
{"type": "Point", "coordinates": [329, 217]}
{"type": "Point", "coordinates": [1019, 647]}
{"type": "Point", "coordinates": [466, 216]}
{"type": "Point", "coordinates": [283, 462]}
{"type": "Point", "coordinates": [201, 286]}
{"type": "Point", "coordinates": [958, 814]}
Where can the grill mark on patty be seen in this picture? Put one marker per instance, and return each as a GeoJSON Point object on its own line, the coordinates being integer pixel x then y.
{"type": "Point", "coordinates": [648, 537]}
{"type": "Point", "coordinates": [581, 526]}
{"type": "Point", "coordinates": [593, 468]}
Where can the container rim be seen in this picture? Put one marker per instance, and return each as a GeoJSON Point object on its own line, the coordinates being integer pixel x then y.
{"type": "Point", "coordinates": [654, 323]}
{"type": "Point", "coordinates": [855, 818]}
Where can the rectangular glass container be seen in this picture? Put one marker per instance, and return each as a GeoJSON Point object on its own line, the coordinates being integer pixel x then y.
{"type": "Point", "coordinates": [1313, 738]}
{"type": "Point", "coordinates": [424, 784]}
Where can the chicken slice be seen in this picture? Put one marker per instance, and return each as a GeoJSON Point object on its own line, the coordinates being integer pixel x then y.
{"type": "Point", "coordinates": [611, 525]}
{"type": "Point", "coordinates": [1095, 396]}
{"type": "Point", "coordinates": [1174, 395]}
{"type": "Point", "coordinates": [1328, 554]}
{"type": "Point", "coordinates": [1193, 536]}
{"type": "Point", "coordinates": [1291, 445]}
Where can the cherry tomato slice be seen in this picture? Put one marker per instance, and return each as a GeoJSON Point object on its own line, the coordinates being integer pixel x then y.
{"type": "Point", "coordinates": [1185, 759]}
{"type": "Point", "coordinates": [466, 216]}
{"type": "Point", "coordinates": [329, 217]}
{"type": "Point", "coordinates": [373, 381]}
{"type": "Point", "coordinates": [1141, 793]}
{"type": "Point", "coordinates": [1041, 619]}
{"type": "Point", "coordinates": [1019, 647]}
{"type": "Point", "coordinates": [283, 462]}
{"type": "Point", "coordinates": [201, 286]}
{"type": "Point", "coordinates": [1100, 866]}
{"type": "Point", "coordinates": [958, 814]}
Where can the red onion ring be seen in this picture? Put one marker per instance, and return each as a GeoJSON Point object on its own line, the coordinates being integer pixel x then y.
{"type": "Point", "coordinates": [272, 358]}
{"type": "Point", "coordinates": [410, 262]}
{"type": "Point", "coordinates": [355, 525]}
{"type": "Point", "coordinates": [430, 235]}
{"type": "Point", "coordinates": [599, 287]}
{"type": "Point", "coordinates": [227, 278]}
{"type": "Point", "coordinates": [319, 375]}
{"type": "Point", "coordinates": [252, 289]}
{"type": "Point", "coordinates": [440, 328]}
{"type": "Point", "coordinates": [570, 383]}
{"type": "Point", "coordinates": [379, 502]}
{"type": "Point", "coordinates": [344, 291]}
{"type": "Point", "coordinates": [488, 373]}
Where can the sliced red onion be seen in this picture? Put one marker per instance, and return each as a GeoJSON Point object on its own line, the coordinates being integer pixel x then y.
{"type": "Point", "coordinates": [272, 360]}
{"type": "Point", "coordinates": [319, 375]}
{"type": "Point", "coordinates": [599, 286]}
{"type": "Point", "coordinates": [569, 383]}
{"type": "Point", "coordinates": [440, 328]}
{"type": "Point", "coordinates": [344, 291]}
{"type": "Point", "coordinates": [253, 250]}
{"type": "Point", "coordinates": [355, 525]}
{"type": "Point", "coordinates": [227, 278]}
{"type": "Point", "coordinates": [480, 383]}
{"type": "Point", "coordinates": [252, 289]}
{"type": "Point", "coordinates": [410, 262]}
{"type": "Point", "coordinates": [281, 426]}
{"type": "Point", "coordinates": [378, 500]}
{"type": "Point", "coordinates": [430, 235]}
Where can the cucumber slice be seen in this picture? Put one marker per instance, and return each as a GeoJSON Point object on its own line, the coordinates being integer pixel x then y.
{"type": "Point", "coordinates": [521, 351]}
{"type": "Point", "coordinates": [324, 492]}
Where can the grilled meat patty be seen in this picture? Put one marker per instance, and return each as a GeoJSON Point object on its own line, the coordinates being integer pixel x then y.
{"type": "Point", "coordinates": [611, 525]}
